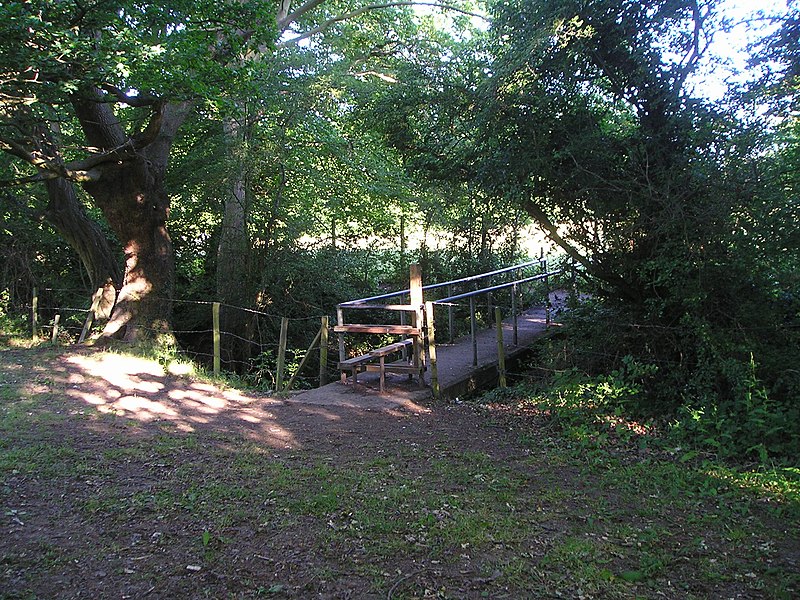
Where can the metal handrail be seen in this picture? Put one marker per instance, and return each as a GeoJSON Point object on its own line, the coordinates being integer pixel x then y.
{"type": "Point", "coordinates": [433, 286]}
{"type": "Point", "coordinates": [449, 300]}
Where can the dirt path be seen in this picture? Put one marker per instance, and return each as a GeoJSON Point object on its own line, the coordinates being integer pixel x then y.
{"type": "Point", "coordinates": [118, 480]}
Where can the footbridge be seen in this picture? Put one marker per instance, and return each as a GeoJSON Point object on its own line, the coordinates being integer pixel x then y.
{"type": "Point", "coordinates": [448, 339]}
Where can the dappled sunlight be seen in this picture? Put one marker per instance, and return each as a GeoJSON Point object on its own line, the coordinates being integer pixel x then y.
{"type": "Point", "coordinates": [140, 389]}
{"type": "Point", "coordinates": [772, 485]}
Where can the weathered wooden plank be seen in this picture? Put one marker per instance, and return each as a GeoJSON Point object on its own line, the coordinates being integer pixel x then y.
{"type": "Point", "coordinates": [355, 361]}
{"type": "Point", "coordinates": [394, 368]}
{"type": "Point", "coordinates": [391, 348]}
{"type": "Point", "coordinates": [381, 329]}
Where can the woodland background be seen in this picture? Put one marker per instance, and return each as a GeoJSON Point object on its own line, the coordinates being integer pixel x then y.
{"type": "Point", "coordinates": [285, 158]}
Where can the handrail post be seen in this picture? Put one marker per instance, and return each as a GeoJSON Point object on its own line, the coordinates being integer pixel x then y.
{"type": "Point", "coordinates": [340, 322]}
{"type": "Point", "coordinates": [546, 295]}
{"type": "Point", "coordinates": [450, 316]}
{"type": "Point", "coordinates": [514, 312]}
{"type": "Point", "coordinates": [473, 325]}
{"type": "Point", "coordinates": [432, 349]}
{"type": "Point", "coordinates": [501, 348]}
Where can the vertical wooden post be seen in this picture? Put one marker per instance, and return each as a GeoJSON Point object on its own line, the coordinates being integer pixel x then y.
{"type": "Point", "coordinates": [54, 339]}
{"type": "Point", "coordinates": [404, 321]}
{"type": "Point", "coordinates": [489, 308]}
{"type": "Point", "coordinates": [215, 324]}
{"type": "Point", "coordinates": [415, 287]}
{"type": "Point", "coordinates": [340, 322]}
{"type": "Point", "coordinates": [281, 354]}
{"type": "Point", "coordinates": [323, 351]}
{"type": "Point", "coordinates": [473, 327]}
{"type": "Point", "coordinates": [450, 316]}
{"type": "Point", "coordinates": [501, 348]}
{"type": "Point", "coordinates": [514, 313]}
{"type": "Point", "coordinates": [432, 349]}
{"type": "Point", "coordinates": [35, 314]}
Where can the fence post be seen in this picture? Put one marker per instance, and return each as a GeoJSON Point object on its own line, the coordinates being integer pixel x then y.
{"type": "Point", "coordinates": [473, 326]}
{"type": "Point", "coordinates": [34, 314]}
{"type": "Point", "coordinates": [281, 354]}
{"type": "Point", "coordinates": [323, 351]}
{"type": "Point", "coordinates": [501, 349]}
{"type": "Point", "coordinates": [54, 339]}
{"type": "Point", "coordinates": [432, 350]}
{"type": "Point", "coordinates": [215, 315]}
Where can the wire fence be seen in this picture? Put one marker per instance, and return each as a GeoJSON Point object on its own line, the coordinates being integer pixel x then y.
{"type": "Point", "coordinates": [249, 343]}
{"type": "Point", "coordinates": [249, 339]}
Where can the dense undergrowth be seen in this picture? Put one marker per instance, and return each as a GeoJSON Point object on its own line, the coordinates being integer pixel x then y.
{"type": "Point", "coordinates": [602, 378]}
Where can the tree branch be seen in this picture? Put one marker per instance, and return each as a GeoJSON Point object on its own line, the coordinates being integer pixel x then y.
{"type": "Point", "coordinates": [286, 20]}
{"type": "Point", "coordinates": [120, 96]}
{"type": "Point", "coordinates": [368, 8]}
{"type": "Point", "coordinates": [78, 171]}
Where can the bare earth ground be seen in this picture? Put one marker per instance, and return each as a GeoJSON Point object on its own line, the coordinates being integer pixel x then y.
{"type": "Point", "coordinates": [120, 481]}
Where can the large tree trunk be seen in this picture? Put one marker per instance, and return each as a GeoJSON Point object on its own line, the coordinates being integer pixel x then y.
{"type": "Point", "coordinates": [234, 281]}
{"type": "Point", "coordinates": [66, 215]}
{"type": "Point", "coordinates": [133, 200]}
{"type": "Point", "coordinates": [131, 194]}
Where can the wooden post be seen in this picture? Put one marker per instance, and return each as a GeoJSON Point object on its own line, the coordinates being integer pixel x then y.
{"type": "Point", "coordinates": [215, 324]}
{"type": "Point", "coordinates": [281, 354]}
{"type": "Point", "coordinates": [54, 339]}
{"type": "Point", "coordinates": [473, 326]}
{"type": "Point", "coordinates": [432, 350]}
{"type": "Point", "coordinates": [87, 326]}
{"type": "Point", "coordinates": [514, 313]}
{"type": "Point", "coordinates": [323, 351]}
{"type": "Point", "coordinates": [489, 308]}
{"type": "Point", "coordinates": [340, 322]}
{"type": "Point", "coordinates": [35, 314]}
{"type": "Point", "coordinates": [501, 348]}
{"type": "Point", "coordinates": [415, 287]}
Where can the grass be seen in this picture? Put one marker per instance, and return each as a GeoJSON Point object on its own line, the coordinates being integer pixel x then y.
{"type": "Point", "coordinates": [557, 513]}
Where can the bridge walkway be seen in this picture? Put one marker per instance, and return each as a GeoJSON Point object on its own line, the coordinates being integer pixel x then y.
{"type": "Point", "coordinates": [457, 374]}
